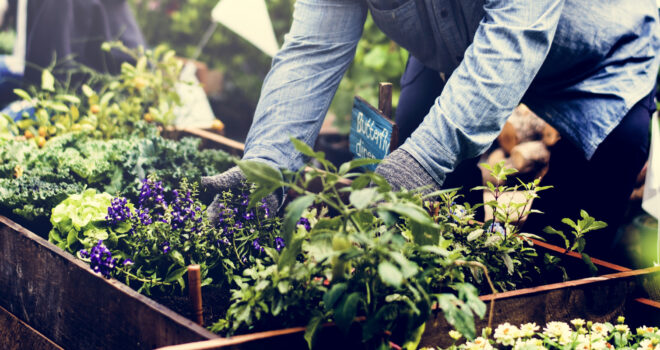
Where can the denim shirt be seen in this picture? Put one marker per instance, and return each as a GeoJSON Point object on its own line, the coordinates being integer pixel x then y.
{"type": "Point", "coordinates": [580, 65]}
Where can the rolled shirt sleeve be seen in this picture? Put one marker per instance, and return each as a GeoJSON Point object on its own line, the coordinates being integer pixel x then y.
{"type": "Point", "coordinates": [303, 79]}
{"type": "Point", "coordinates": [509, 47]}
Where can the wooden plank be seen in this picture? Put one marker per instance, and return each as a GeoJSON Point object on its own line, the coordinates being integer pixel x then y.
{"type": "Point", "coordinates": [17, 335]}
{"type": "Point", "coordinates": [63, 299]}
{"type": "Point", "coordinates": [598, 299]}
{"type": "Point", "coordinates": [385, 99]}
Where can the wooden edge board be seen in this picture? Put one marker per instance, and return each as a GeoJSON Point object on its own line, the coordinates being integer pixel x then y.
{"type": "Point", "coordinates": [178, 319]}
{"type": "Point", "coordinates": [37, 339]}
{"type": "Point", "coordinates": [575, 283]}
{"type": "Point", "coordinates": [238, 146]}
{"type": "Point", "coordinates": [223, 342]}
{"type": "Point", "coordinates": [577, 255]}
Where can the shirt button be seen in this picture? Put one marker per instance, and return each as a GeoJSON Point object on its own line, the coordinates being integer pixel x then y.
{"type": "Point", "coordinates": [444, 13]}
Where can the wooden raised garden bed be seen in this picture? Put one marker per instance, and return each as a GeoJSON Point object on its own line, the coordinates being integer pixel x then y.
{"type": "Point", "coordinates": [59, 297]}
{"type": "Point", "coordinates": [52, 298]}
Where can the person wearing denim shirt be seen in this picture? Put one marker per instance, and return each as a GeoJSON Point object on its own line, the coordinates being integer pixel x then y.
{"type": "Point", "coordinates": [580, 65]}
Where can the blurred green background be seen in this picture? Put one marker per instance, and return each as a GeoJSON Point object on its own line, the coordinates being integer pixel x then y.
{"type": "Point", "coordinates": [180, 24]}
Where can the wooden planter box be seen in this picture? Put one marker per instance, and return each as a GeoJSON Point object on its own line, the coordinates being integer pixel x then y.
{"type": "Point", "coordinates": [51, 299]}
{"type": "Point", "coordinates": [599, 299]}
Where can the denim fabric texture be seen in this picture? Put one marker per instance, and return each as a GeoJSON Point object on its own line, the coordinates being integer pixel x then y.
{"type": "Point", "coordinates": [580, 65]}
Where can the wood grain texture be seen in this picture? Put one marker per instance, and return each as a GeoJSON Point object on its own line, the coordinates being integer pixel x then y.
{"type": "Point", "coordinates": [59, 296]}
{"type": "Point", "coordinates": [17, 335]}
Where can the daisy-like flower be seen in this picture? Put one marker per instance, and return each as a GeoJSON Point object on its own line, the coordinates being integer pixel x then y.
{"type": "Point", "coordinates": [556, 329]}
{"type": "Point", "coordinates": [578, 322]}
{"type": "Point", "coordinates": [647, 344]}
{"type": "Point", "coordinates": [528, 329]}
{"type": "Point", "coordinates": [644, 329]}
{"type": "Point", "coordinates": [529, 344]}
{"type": "Point", "coordinates": [622, 328]}
{"type": "Point", "coordinates": [601, 329]}
{"type": "Point", "coordinates": [506, 334]}
{"type": "Point", "coordinates": [478, 344]}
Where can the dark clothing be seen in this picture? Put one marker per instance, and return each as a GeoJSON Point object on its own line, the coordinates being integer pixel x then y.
{"type": "Point", "coordinates": [60, 30]}
{"type": "Point", "coordinates": [601, 185]}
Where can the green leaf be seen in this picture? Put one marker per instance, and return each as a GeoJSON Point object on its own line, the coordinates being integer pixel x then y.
{"type": "Point", "coordinates": [587, 260]}
{"type": "Point", "coordinates": [88, 91]}
{"type": "Point", "coordinates": [47, 81]}
{"type": "Point", "coordinates": [475, 234]}
{"type": "Point", "coordinates": [508, 262]}
{"type": "Point", "coordinates": [23, 94]}
{"type": "Point", "coordinates": [306, 150]}
{"type": "Point", "coordinates": [177, 257]}
{"type": "Point", "coordinates": [175, 274]}
{"type": "Point", "coordinates": [348, 166]}
{"type": "Point", "coordinates": [551, 230]}
{"type": "Point", "coordinates": [360, 199]}
{"type": "Point", "coordinates": [346, 311]}
{"type": "Point", "coordinates": [361, 181]}
{"type": "Point", "coordinates": [470, 294]}
{"type": "Point", "coordinates": [457, 314]}
{"type": "Point", "coordinates": [290, 253]}
{"type": "Point", "coordinates": [261, 173]}
{"type": "Point", "coordinates": [311, 330]}
{"type": "Point", "coordinates": [293, 213]}
{"type": "Point", "coordinates": [331, 297]}
{"type": "Point", "coordinates": [390, 274]}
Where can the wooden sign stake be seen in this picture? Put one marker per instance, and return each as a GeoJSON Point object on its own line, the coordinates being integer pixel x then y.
{"type": "Point", "coordinates": [385, 99]}
{"type": "Point", "coordinates": [195, 292]}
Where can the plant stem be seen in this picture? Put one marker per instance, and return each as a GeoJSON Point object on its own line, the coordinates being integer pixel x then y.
{"type": "Point", "coordinates": [490, 283]}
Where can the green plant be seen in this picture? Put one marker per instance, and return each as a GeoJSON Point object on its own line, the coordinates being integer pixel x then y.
{"type": "Point", "coordinates": [583, 225]}
{"type": "Point", "coordinates": [355, 263]}
{"type": "Point", "coordinates": [144, 91]}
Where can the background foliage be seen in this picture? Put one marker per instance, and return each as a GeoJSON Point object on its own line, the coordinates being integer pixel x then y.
{"type": "Point", "coordinates": [181, 24]}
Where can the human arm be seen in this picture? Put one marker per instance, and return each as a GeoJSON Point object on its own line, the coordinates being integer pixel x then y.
{"type": "Point", "coordinates": [508, 49]}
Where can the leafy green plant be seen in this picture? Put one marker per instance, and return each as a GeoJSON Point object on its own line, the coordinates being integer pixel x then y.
{"type": "Point", "coordinates": [144, 91]}
{"type": "Point", "coordinates": [362, 262]}
{"type": "Point", "coordinates": [79, 219]}
{"type": "Point", "coordinates": [583, 225]}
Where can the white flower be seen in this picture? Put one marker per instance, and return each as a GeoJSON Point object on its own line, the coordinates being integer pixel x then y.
{"type": "Point", "coordinates": [529, 344]}
{"type": "Point", "coordinates": [601, 345]}
{"type": "Point", "coordinates": [646, 344]}
{"type": "Point", "coordinates": [578, 322]}
{"type": "Point", "coordinates": [506, 334]}
{"type": "Point", "coordinates": [528, 329]}
{"type": "Point", "coordinates": [601, 329]}
{"type": "Point", "coordinates": [478, 344]}
{"type": "Point", "coordinates": [645, 329]}
{"type": "Point", "coordinates": [556, 329]}
{"type": "Point", "coordinates": [622, 328]}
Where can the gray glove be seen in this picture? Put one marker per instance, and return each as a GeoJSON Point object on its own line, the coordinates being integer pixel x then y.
{"type": "Point", "coordinates": [402, 171]}
{"type": "Point", "coordinates": [231, 179]}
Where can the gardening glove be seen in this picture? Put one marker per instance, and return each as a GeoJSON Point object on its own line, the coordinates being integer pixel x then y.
{"type": "Point", "coordinates": [231, 179]}
{"type": "Point", "coordinates": [402, 171]}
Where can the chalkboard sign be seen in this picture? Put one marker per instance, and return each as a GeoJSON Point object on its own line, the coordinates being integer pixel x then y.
{"type": "Point", "coordinates": [373, 135]}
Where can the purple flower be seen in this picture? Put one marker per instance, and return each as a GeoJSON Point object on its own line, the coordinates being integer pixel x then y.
{"type": "Point", "coordinates": [118, 211]}
{"type": "Point", "coordinates": [166, 247]}
{"type": "Point", "coordinates": [101, 260]}
{"type": "Point", "coordinates": [127, 262]}
{"type": "Point", "coordinates": [305, 223]}
{"type": "Point", "coordinates": [257, 246]}
{"type": "Point", "coordinates": [279, 243]}
{"type": "Point", "coordinates": [496, 227]}
{"type": "Point", "coordinates": [248, 216]}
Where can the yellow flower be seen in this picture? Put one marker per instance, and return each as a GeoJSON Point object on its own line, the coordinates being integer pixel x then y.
{"type": "Point", "coordinates": [455, 335]}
